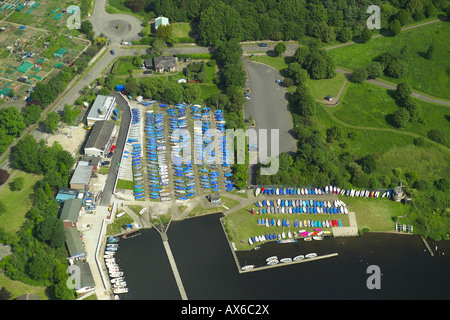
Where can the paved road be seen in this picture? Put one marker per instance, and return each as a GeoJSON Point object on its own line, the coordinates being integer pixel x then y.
{"type": "Point", "coordinates": [268, 106]}
{"type": "Point", "coordinates": [120, 145]}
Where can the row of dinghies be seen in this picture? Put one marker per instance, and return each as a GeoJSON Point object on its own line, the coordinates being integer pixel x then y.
{"type": "Point", "coordinates": [300, 206]}
{"type": "Point", "coordinates": [326, 190]}
{"type": "Point", "coordinates": [274, 260]}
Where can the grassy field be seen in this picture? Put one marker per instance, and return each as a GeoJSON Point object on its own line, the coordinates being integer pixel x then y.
{"type": "Point", "coordinates": [375, 214]}
{"type": "Point", "coordinates": [181, 32]}
{"type": "Point", "coordinates": [17, 203]}
{"type": "Point", "coordinates": [372, 106]}
{"type": "Point", "coordinates": [425, 75]}
{"type": "Point", "coordinates": [18, 288]}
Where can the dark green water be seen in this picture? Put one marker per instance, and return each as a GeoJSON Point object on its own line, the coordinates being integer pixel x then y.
{"type": "Point", "coordinates": [208, 270]}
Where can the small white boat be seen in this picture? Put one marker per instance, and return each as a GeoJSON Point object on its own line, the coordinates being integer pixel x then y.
{"type": "Point", "coordinates": [277, 191]}
{"type": "Point", "coordinates": [317, 238]}
{"type": "Point", "coordinates": [250, 241]}
{"type": "Point", "coordinates": [283, 235]}
{"type": "Point", "coordinates": [301, 231]}
{"type": "Point", "coordinates": [248, 267]}
{"type": "Point", "coordinates": [289, 234]}
{"type": "Point", "coordinates": [115, 280]}
{"type": "Point", "coordinates": [286, 260]}
{"type": "Point", "coordinates": [271, 258]}
{"type": "Point", "coordinates": [120, 290]}
{"type": "Point", "coordinates": [116, 274]}
{"type": "Point", "coordinates": [299, 257]}
{"type": "Point", "coordinates": [278, 223]}
{"type": "Point", "coordinates": [257, 191]}
{"type": "Point", "coordinates": [272, 262]}
{"type": "Point", "coordinates": [311, 255]}
{"type": "Point", "coordinates": [307, 239]}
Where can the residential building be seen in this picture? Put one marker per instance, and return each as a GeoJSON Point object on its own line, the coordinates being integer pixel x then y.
{"type": "Point", "coordinates": [162, 64]}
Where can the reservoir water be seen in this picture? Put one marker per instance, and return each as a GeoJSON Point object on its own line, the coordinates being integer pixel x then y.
{"type": "Point", "coordinates": [209, 272]}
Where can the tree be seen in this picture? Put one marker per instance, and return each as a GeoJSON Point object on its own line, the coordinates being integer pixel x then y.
{"type": "Point", "coordinates": [137, 61]}
{"type": "Point", "coordinates": [374, 69]}
{"type": "Point", "coordinates": [4, 175]}
{"type": "Point", "coordinates": [52, 121]}
{"type": "Point", "coordinates": [280, 48]}
{"type": "Point", "coordinates": [31, 114]}
{"type": "Point", "coordinates": [358, 75]}
{"type": "Point", "coordinates": [136, 5]}
{"type": "Point", "coordinates": [368, 163]}
{"type": "Point", "coordinates": [396, 68]}
{"type": "Point", "coordinates": [345, 35]}
{"type": "Point", "coordinates": [395, 27]}
{"type": "Point", "coordinates": [366, 34]}
{"type": "Point", "coordinates": [403, 91]}
{"type": "Point", "coordinates": [12, 121]}
{"type": "Point", "coordinates": [25, 155]}
{"type": "Point", "coordinates": [164, 32]}
{"type": "Point", "coordinates": [430, 51]}
{"type": "Point", "coordinates": [17, 184]}
{"type": "Point", "coordinates": [401, 118]}
{"type": "Point", "coordinates": [158, 47]}
{"type": "Point", "coordinates": [69, 114]}
{"type": "Point", "coordinates": [296, 73]}
{"type": "Point", "coordinates": [303, 101]}
{"type": "Point", "coordinates": [334, 134]}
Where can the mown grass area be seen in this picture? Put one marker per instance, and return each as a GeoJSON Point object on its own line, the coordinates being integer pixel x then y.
{"type": "Point", "coordinates": [125, 184]}
{"type": "Point", "coordinates": [122, 65]}
{"type": "Point", "coordinates": [18, 288]}
{"type": "Point", "coordinates": [181, 32]}
{"type": "Point", "coordinates": [375, 214]}
{"type": "Point", "coordinates": [17, 203]}
{"type": "Point", "coordinates": [425, 75]}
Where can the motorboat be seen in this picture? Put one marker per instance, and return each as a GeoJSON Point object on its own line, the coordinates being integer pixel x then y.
{"type": "Point", "coordinates": [286, 260]}
{"type": "Point", "coordinates": [311, 255]}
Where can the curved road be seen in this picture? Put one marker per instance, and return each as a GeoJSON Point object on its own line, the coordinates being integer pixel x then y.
{"type": "Point", "coordinates": [118, 27]}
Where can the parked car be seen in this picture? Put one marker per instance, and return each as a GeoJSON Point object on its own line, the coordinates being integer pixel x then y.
{"type": "Point", "coordinates": [106, 163]}
{"type": "Point", "coordinates": [247, 95]}
{"type": "Point", "coordinates": [112, 148]}
{"type": "Point", "coordinates": [279, 81]}
{"type": "Point", "coordinates": [148, 72]}
{"type": "Point", "coordinates": [112, 52]}
{"type": "Point", "coordinates": [263, 44]}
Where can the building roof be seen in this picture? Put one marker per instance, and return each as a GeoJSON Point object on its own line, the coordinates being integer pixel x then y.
{"type": "Point", "coordinates": [71, 210]}
{"type": "Point", "coordinates": [101, 108]}
{"type": "Point", "coordinates": [82, 174]}
{"type": "Point", "coordinates": [74, 244]}
{"type": "Point", "coordinates": [161, 21]}
{"type": "Point", "coordinates": [86, 278]}
{"type": "Point", "coordinates": [165, 62]}
{"type": "Point", "coordinates": [66, 194]}
{"type": "Point", "coordinates": [100, 134]}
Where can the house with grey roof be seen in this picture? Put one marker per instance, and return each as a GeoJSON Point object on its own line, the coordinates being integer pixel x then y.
{"type": "Point", "coordinates": [100, 139]}
{"type": "Point", "coordinates": [162, 64]}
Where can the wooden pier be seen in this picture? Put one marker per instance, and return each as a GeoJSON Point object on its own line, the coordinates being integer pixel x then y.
{"type": "Point", "coordinates": [281, 264]}
{"type": "Point", "coordinates": [427, 245]}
